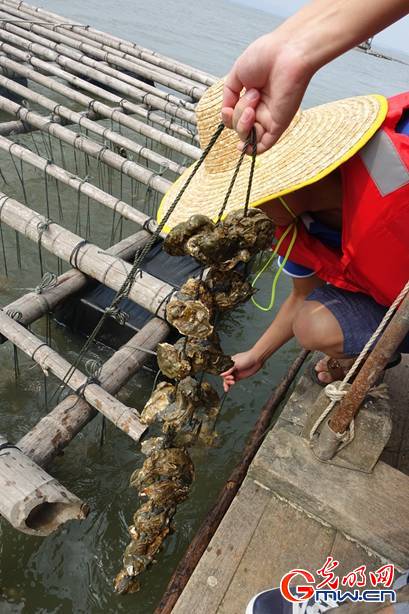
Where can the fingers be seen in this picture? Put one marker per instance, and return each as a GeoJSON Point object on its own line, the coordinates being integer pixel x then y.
{"type": "Point", "coordinates": [228, 382]}
{"type": "Point", "coordinates": [231, 94]}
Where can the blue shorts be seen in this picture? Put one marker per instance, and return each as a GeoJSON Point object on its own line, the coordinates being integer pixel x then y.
{"type": "Point", "coordinates": [358, 316]}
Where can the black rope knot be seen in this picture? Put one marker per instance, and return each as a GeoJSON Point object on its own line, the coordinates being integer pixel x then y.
{"type": "Point", "coordinates": [120, 316]}
{"type": "Point", "coordinates": [8, 446]}
{"type": "Point", "coordinates": [48, 280]}
{"type": "Point", "coordinates": [43, 226]}
{"type": "Point", "coordinates": [73, 259]}
{"type": "Point", "coordinates": [14, 314]}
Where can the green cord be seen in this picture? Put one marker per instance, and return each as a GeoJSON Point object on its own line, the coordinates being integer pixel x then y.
{"type": "Point", "coordinates": [292, 227]}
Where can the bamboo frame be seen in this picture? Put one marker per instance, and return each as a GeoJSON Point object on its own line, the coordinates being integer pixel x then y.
{"type": "Point", "coordinates": [55, 431]}
{"type": "Point", "coordinates": [88, 146]}
{"type": "Point", "coordinates": [125, 418]}
{"type": "Point", "coordinates": [101, 38]}
{"type": "Point", "coordinates": [34, 305]}
{"type": "Point", "coordinates": [31, 500]}
{"type": "Point", "coordinates": [64, 60]}
{"type": "Point", "coordinates": [116, 114]}
{"type": "Point", "coordinates": [80, 119]}
{"type": "Point", "coordinates": [147, 291]}
{"type": "Point", "coordinates": [59, 42]}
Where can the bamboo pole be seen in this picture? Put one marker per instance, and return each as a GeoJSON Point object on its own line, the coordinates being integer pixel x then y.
{"type": "Point", "coordinates": [125, 418]}
{"type": "Point", "coordinates": [67, 39]}
{"type": "Point", "coordinates": [208, 528]}
{"type": "Point", "coordinates": [64, 60]}
{"type": "Point", "coordinates": [55, 431]}
{"type": "Point", "coordinates": [69, 179]}
{"type": "Point", "coordinates": [88, 146]}
{"type": "Point", "coordinates": [147, 291]}
{"type": "Point", "coordinates": [32, 501]}
{"type": "Point", "coordinates": [116, 114]}
{"type": "Point", "coordinates": [33, 305]}
{"type": "Point", "coordinates": [107, 40]}
{"type": "Point", "coordinates": [80, 119]}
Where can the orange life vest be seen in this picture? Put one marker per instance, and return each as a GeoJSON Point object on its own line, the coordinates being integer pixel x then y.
{"type": "Point", "coordinates": [375, 218]}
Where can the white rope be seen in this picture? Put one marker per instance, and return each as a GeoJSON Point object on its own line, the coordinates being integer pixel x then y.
{"type": "Point", "coordinates": [336, 390]}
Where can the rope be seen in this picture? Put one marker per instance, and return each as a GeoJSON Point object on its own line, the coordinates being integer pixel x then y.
{"type": "Point", "coordinates": [73, 259]}
{"type": "Point", "coordinates": [42, 227]}
{"type": "Point", "coordinates": [336, 393]}
{"type": "Point", "coordinates": [130, 278]}
{"type": "Point", "coordinates": [49, 280]}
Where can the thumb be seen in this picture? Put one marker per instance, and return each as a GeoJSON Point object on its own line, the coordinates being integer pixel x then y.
{"type": "Point", "coordinates": [228, 372]}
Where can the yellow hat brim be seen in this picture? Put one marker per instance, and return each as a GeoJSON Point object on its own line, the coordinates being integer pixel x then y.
{"type": "Point", "coordinates": [320, 140]}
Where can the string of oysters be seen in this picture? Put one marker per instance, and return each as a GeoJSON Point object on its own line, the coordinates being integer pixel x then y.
{"type": "Point", "coordinates": [185, 412]}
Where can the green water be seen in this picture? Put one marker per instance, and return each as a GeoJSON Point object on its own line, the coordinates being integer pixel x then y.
{"type": "Point", "coordinates": [72, 570]}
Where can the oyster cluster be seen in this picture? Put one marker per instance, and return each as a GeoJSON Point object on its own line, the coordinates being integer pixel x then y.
{"type": "Point", "coordinates": [186, 411]}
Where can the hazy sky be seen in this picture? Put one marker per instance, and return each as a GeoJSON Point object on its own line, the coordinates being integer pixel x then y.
{"type": "Point", "coordinates": [394, 37]}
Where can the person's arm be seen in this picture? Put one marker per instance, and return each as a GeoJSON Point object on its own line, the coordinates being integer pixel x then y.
{"type": "Point", "coordinates": [276, 68]}
{"type": "Point", "coordinates": [278, 333]}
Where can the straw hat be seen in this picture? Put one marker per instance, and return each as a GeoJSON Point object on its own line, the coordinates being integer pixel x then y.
{"type": "Point", "coordinates": [317, 141]}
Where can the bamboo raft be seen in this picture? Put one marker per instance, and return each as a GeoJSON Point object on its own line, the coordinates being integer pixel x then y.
{"type": "Point", "coordinates": [64, 81]}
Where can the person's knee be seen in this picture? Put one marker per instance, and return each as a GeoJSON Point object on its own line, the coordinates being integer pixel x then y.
{"type": "Point", "coordinates": [316, 328]}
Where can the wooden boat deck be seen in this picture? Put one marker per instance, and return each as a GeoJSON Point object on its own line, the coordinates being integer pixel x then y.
{"type": "Point", "coordinates": [294, 511]}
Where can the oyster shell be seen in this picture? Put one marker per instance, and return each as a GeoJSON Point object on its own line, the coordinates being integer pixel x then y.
{"type": "Point", "coordinates": [150, 519]}
{"type": "Point", "coordinates": [197, 290]}
{"type": "Point", "coordinates": [167, 493]}
{"type": "Point", "coordinates": [163, 396]}
{"type": "Point", "coordinates": [228, 288]}
{"type": "Point", "coordinates": [152, 445]}
{"type": "Point", "coordinates": [254, 230]}
{"type": "Point", "coordinates": [207, 355]}
{"type": "Point", "coordinates": [125, 583]}
{"type": "Point", "coordinates": [190, 317]}
{"type": "Point", "coordinates": [172, 362]}
{"type": "Point", "coordinates": [211, 410]}
{"type": "Point", "coordinates": [172, 463]}
{"type": "Point", "coordinates": [175, 242]}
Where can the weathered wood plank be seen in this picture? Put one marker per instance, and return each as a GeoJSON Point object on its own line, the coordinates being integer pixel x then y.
{"type": "Point", "coordinates": [285, 539]}
{"type": "Point", "coordinates": [209, 581]}
{"type": "Point", "coordinates": [370, 508]}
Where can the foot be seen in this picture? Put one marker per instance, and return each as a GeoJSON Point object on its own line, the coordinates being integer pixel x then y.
{"type": "Point", "coordinates": [333, 369]}
{"type": "Point", "coordinates": [272, 602]}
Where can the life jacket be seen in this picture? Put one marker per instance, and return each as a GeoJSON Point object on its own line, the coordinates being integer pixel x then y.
{"type": "Point", "coordinates": [375, 218]}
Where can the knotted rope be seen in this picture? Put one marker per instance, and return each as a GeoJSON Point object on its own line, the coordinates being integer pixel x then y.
{"type": "Point", "coordinates": [336, 391]}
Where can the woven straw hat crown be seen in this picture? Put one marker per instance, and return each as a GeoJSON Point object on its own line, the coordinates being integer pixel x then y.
{"type": "Point", "coordinates": [317, 141]}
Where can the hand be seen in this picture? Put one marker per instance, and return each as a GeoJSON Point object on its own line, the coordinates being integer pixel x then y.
{"type": "Point", "coordinates": [245, 365]}
{"type": "Point", "coordinates": [275, 77]}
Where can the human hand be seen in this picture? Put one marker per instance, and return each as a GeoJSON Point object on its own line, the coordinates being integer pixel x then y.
{"type": "Point", "coordinates": [275, 77]}
{"type": "Point", "coordinates": [245, 365]}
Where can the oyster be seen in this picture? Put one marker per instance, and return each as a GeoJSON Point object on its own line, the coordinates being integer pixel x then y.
{"type": "Point", "coordinates": [163, 396]}
{"type": "Point", "coordinates": [152, 445]}
{"type": "Point", "coordinates": [172, 463]}
{"type": "Point", "coordinates": [207, 355]}
{"type": "Point", "coordinates": [150, 519]}
{"type": "Point", "coordinates": [181, 414]}
{"type": "Point", "coordinates": [254, 230]}
{"type": "Point", "coordinates": [167, 493]}
{"type": "Point", "coordinates": [214, 246]}
{"type": "Point", "coordinates": [211, 409]}
{"type": "Point", "coordinates": [190, 317]}
{"type": "Point", "coordinates": [125, 583]}
{"type": "Point", "coordinates": [175, 242]}
{"type": "Point", "coordinates": [171, 361]}
{"type": "Point", "coordinates": [228, 288]}
{"type": "Point", "coordinates": [197, 290]}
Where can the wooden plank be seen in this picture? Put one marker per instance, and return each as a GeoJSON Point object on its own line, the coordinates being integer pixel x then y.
{"type": "Point", "coordinates": [285, 539]}
{"type": "Point", "coordinates": [372, 509]}
{"type": "Point", "coordinates": [396, 452]}
{"type": "Point", "coordinates": [212, 576]}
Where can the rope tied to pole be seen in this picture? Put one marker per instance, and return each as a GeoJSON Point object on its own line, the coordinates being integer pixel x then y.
{"type": "Point", "coordinates": [42, 227]}
{"type": "Point", "coordinates": [49, 280]}
{"type": "Point", "coordinates": [336, 391]}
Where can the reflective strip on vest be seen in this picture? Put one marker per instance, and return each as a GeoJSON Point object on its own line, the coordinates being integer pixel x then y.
{"type": "Point", "coordinates": [384, 164]}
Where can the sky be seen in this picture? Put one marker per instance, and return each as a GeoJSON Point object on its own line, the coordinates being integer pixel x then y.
{"type": "Point", "coordinates": [395, 37]}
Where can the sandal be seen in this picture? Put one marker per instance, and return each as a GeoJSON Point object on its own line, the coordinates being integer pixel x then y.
{"type": "Point", "coordinates": [337, 371]}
